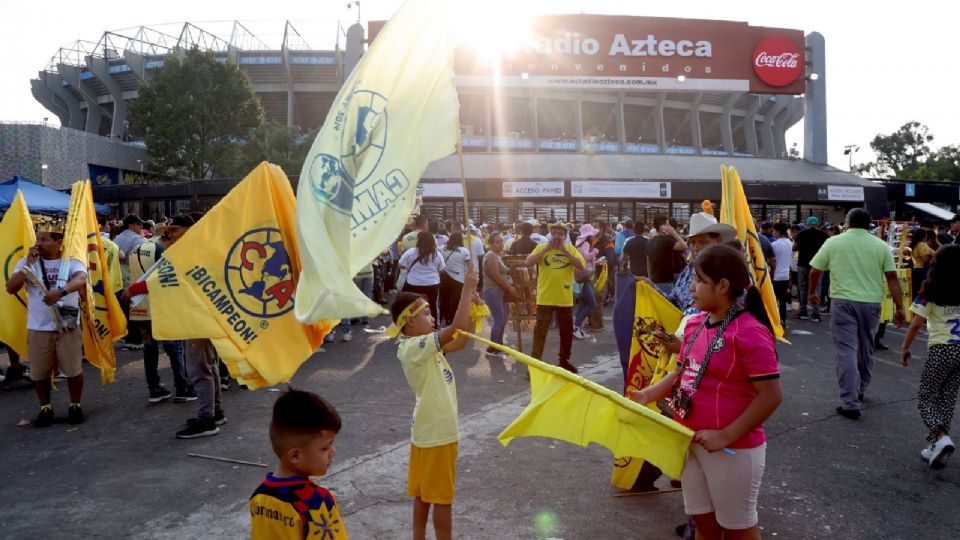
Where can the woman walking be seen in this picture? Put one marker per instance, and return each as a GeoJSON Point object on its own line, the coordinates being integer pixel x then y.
{"type": "Point", "coordinates": [588, 297]}
{"type": "Point", "coordinates": [456, 257]}
{"type": "Point", "coordinates": [423, 265]}
{"type": "Point", "coordinates": [496, 289]}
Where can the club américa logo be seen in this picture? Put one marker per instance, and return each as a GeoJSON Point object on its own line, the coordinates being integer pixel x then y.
{"type": "Point", "coordinates": [258, 276]}
{"type": "Point", "coordinates": [362, 123]}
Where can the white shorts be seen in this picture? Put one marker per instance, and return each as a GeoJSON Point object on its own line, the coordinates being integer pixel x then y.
{"type": "Point", "coordinates": [724, 484]}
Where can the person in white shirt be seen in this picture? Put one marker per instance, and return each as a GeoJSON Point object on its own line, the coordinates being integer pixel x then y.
{"type": "Point", "coordinates": [423, 265]}
{"type": "Point", "coordinates": [782, 255]}
{"type": "Point", "coordinates": [456, 259]}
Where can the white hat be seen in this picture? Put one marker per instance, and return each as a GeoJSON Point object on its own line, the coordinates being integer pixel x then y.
{"type": "Point", "coordinates": [703, 223]}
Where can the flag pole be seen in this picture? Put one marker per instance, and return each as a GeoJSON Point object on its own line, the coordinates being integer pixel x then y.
{"type": "Point", "coordinates": [466, 204]}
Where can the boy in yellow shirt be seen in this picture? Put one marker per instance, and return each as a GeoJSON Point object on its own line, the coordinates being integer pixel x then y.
{"type": "Point", "coordinates": [288, 505]}
{"type": "Point", "coordinates": [433, 451]}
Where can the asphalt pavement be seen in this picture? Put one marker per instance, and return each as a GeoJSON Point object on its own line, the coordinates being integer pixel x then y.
{"type": "Point", "coordinates": [122, 474]}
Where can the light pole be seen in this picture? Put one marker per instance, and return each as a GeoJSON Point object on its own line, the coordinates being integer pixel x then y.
{"type": "Point", "coordinates": [355, 3]}
{"type": "Point", "coordinates": [848, 151]}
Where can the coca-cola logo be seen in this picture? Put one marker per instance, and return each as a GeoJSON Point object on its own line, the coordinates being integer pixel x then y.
{"type": "Point", "coordinates": [778, 60]}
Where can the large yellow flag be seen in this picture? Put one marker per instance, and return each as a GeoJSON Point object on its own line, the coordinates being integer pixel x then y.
{"type": "Point", "coordinates": [397, 112]}
{"type": "Point", "coordinates": [232, 278]}
{"type": "Point", "coordinates": [101, 314]}
{"type": "Point", "coordinates": [735, 211]}
{"type": "Point", "coordinates": [649, 362]}
{"type": "Point", "coordinates": [571, 408]}
{"type": "Point", "coordinates": [16, 239]}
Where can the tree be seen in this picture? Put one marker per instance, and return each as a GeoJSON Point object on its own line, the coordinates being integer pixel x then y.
{"type": "Point", "coordinates": [194, 114]}
{"type": "Point", "coordinates": [272, 141]}
{"type": "Point", "coordinates": [901, 153]}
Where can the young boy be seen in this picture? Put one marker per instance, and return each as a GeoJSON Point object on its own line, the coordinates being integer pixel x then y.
{"type": "Point", "coordinates": [288, 504]}
{"type": "Point", "coordinates": [433, 450]}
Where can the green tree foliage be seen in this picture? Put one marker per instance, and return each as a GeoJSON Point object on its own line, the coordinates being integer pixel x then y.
{"type": "Point", "coordinates": [194, 115]}
{"type": "Point", "coordinates": [272, 141]}
{"type": "Point", "coordinates": [906, 154]}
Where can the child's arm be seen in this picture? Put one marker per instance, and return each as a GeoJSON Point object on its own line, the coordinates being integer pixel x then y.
{"type": "Point", "coordinates": [912, 332]}
{"type": "Point", "coordinates": [769, 396]}
{"type": "Point", "coordinates": [461, 320]}
{"type": "Point", "coordinates": [656, 392]}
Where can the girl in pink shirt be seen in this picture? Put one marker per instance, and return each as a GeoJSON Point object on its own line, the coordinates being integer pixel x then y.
{"type": "Point", "coordinates": [726, 384]}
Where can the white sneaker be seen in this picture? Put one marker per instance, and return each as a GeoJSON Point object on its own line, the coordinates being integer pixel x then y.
{"type": "Point", "coordinates": [493, 354]}
{"type": "Point", "coordinates": [347, 335]}
{"type": "Point", "coordinates": [940, 452]}
{"type": "Point", "coordinates": [578, 333]}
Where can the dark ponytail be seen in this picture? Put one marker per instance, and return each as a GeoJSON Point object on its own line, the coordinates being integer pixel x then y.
{"type": "Point", "coordinates": [724, 262]}
{"type": "Point", "coordinates": [753, 303]}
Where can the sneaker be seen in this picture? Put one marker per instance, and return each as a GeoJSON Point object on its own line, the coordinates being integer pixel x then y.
{"type": "Point", "coordinates": [60, 375]}
{"type": "Point", "coordinates": [578, 333]}
{"type": "Point", "coordinates": [940, 452]}
{"type": "Point", "coordinates": [825, 310]}
{"type": "Point", "coordinates": [183, 396]}
{"type": "Point", "coordinates": [801, 316]}
{"type": "Point", "coordinates": [45, 418]}
{"type": "Point", "coordinates": [159, 394]}
{"type": "Point", "coordinates": [927, 454]}
{"type": "Point", "coordinates": [224, 384]}
{"type": "Point", "coordinates": [568, 366]}
{"type": "Point", "coordinates": [880, 346]}
{"type": "Point", "coordinates": [74, 414]}
{"type": "Point", "coordinates": [133, 347]}
{"type": "Point", "coordinates": [331, 337]}
{"type": "Point", "coordinates": [815, 317]}
{"type": "Point", "coordinates": [219, 418]}
{"type": "Point", "coordinates": [347, 335]}
{"type": "Point", "coordinates": [852, 414]}
{"type": "Point", "coordinates": [2, 377]}
{"type": "Point", "coordinates": [19, 371]}
{"type": "Point", "coordinates": [493, 354]}
{"type": "Point", "coordinates": [199, 428]}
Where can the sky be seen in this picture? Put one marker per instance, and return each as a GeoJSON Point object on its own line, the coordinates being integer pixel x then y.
{"type": "Point", "coordinates": [885, 66]}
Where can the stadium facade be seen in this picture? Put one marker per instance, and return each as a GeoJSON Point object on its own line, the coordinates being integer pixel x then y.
{"type": "Point", "coordinates": [591, 116]}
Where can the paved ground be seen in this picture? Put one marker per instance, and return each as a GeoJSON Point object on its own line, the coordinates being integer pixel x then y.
{"type": "Point", "coordinates": [123, 474]}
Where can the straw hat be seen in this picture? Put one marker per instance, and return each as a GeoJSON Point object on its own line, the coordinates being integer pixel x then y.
{"type": "Point", "coordinates": [703, 223]}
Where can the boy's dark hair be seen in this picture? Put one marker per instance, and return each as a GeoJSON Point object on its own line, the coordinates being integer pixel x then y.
{"type": "Point", "coordinates": [658, 222]}
{"type": "Point", "coordinates": [300, 415]}
{"type": "Point", "coordinates": [941, 286]}
{"type": "Point", "coordinates": [781, 228]}
{"type": "Point", "coordinates": [526, 229]}
{"type": "Point", "coordinates": [724, 262]}
{"type": "Point", "coordinates": [401, 302]}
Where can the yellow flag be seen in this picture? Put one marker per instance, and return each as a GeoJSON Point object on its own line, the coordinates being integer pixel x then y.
{"type": "Point", "coordinates": [101, 315]}
{"type": "Point", "coordinates": [397, 112]}
{"type": "Point", "coordinates": [735, 211]}
{"type": "Point", "coordinates": [649, 362]}
{"type": "Point", "coordinates": [232, 278]}
{"type": "Point", "coordinates": [570, 408]}
{"type": "Point", "coordinates": [16, 239]}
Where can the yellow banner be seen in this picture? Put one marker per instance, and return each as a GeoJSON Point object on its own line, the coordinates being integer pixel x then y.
{"type": "Point", "coordinates": [16, 239]}
{"type": "Point", "coordinates": [579, 411]}
{"type": "Point", "coordinates": [397, 112]}
{"type": "Point", "coordinates": [887, 308]}
{"type": "Point", "coordinates": [232, 278]}
{"type": "Point", "coordinates": [735, 211]}
{"type": "Point", "coordinates": [101, 314]}
{"type": "Point", "coordinates": [649, 362]}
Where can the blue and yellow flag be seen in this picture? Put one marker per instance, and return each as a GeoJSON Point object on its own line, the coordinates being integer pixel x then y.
{"type": "Point", "coordinates": [571, 408]}
{"type": "Point", "coordinates": [232, 278]}
{"type": "Point", "coordinates": [649, 362]}
{"type": "Point", "coordinates": [735, 211]}
{"type": "Point", "coordinates": [16, 239]}
{"type": "Point", "coordinates": [101, 315]}
{"type": "Point", "coordinates": [397, 112]}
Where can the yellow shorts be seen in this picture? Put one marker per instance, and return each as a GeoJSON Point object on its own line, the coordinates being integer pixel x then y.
{"type": "Point", "coordinates": [433, 473]}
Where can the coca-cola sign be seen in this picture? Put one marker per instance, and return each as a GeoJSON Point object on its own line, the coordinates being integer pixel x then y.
{"type": "Point", "coordinates": [778, 60]}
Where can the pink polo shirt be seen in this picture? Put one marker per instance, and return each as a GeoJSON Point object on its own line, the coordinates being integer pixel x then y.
{"type": "Point", "coordinates": [726, 390]}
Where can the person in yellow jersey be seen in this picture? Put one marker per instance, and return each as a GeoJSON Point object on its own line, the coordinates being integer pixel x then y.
{"type": "Point", "coordinates": [556, 261]}
{"type": "Point", "coordinates": [287, 505]}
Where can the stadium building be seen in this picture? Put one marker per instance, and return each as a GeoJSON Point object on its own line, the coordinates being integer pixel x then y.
{"type": "Point", "coordinates": [591, 116]}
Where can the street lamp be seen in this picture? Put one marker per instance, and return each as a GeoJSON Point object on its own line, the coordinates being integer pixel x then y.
{"type": "Point", "coordinates": [355, 3]}
{"type": "Point", "coordinates": [848, 151]}
{"type": "Point", "coordinates": [140, 161]}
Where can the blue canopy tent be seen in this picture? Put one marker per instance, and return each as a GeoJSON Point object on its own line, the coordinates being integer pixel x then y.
{"type": "Point", "coordinates": [40, 200]}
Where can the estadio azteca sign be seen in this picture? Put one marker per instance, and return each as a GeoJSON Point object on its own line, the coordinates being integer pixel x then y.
{"type": "Point", "coordinates": [638, 53]}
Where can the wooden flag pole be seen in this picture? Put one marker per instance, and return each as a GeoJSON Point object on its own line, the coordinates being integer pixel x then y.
{"type": "Point", "coordinates": [466, 203]}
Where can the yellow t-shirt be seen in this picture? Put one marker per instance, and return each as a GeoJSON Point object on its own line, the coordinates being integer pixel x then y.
{"type": "Point", "coordinates": [943, 322]}
{"type": "Point", "coordinates": [113, 264]}
{"type": "Point", "coordinates": [294, 508]}
{"type": "Point", "coordinates": [555, 276]}
{"type": "Point", "coordinates": [431, 379]}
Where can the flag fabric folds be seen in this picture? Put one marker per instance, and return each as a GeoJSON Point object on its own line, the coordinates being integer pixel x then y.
{"type": "Point", "coordinates": [102, 317]}
{"type": "Point", "coordinates": [232, 278]}
{"type": "Point", "coordinates": [16, 239]}
{"type": "Point", "coordinates": [735, 211]}
{"type": "Point", "coordinates": [649, 362]}
{"type": "Point", "coordinates": [397, 112]}
{"type": "Point", "coordinates": [571, 408]}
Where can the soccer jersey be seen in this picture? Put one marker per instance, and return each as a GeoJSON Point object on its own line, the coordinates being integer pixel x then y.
{"type": "Point", "coordinates": [294, 508]}
{"type": "Point", "coordinates": [943, 322]}
{"type": "Point", "coordinates": [726, 389]}
{"type": "Point", "coordinates": [555, 275]}
{"type": "Point", "coordinates": [431, 379]}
